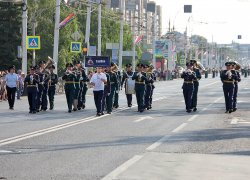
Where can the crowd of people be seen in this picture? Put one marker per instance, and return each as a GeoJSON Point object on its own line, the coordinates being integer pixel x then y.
{"type": "Point", "coordinates": [167, 75]}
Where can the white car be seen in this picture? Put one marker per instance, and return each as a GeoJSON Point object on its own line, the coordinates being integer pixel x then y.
{"type": "Point", "coordinates": [180, 69]}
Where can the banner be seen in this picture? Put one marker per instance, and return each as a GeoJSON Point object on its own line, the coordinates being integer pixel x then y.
{"type": "Point", "coordinates": [115, 56]}
{"type": "Point", "coordinates": [97, 61]}
{"type": "Point", "coordinates": [92, 50]}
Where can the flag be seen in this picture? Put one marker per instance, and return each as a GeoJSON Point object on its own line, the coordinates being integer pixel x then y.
{"type": "Point", "coordinates": [198, 53]}
{"type": "Point", "coordinates": [174, 48]}
{"type": "Point", "coordinates": [205, 53]}
{"type": "Point", "coordinates": [65, 20]}
{"type": "Point", "coordinates": [138, 40]}
{"type": "Point", "coordinates": [66, 23]}
{"type": "Point", "coordinates": [227, 57]}
{"type": "Point", "coordinates": [213, 54]}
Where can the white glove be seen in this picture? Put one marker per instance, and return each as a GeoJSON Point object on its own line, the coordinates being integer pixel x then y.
{"type": "Point", "coordinates": [149, 78]}
{"type": "Point", "coordinates": [227, 72]}
{"type": "Point", "coordinates": [70, 72]}
{"type": "Point", "coordinates": [108, 94]}
{"type": "Point", "coordinates": [117, 91]}
{"type": "Point", "coordinates": [81, 79]}
{"type": "Point", "coordinates": [188, 70]}
{"type": "Point", "coordinates": [138, 74]}
{"type": "Point", "coordinates": [230, 74]}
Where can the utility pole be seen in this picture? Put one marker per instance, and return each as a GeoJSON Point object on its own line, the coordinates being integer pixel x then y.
{"type": "Point", "coordinates": [56, 34]}
{"type": "Point", "coordinates": [154, 60]}
{"type": "Point", "coordinates": [34, 51]}
{"type": "Point", "coordinates": [88, 24]}
{"type": "Point", "coordinates": [207, 56]}
{"type": "Point", "coordinates": [121, 36]}
{"type": "Point", "coordinates": [24, 37]}
{"type": "Point", "coordinates": [196, 53]}
{"type": "Point", "coordinates": [134, 43]}
{"type": "Point", "coordinates": [99, 30]}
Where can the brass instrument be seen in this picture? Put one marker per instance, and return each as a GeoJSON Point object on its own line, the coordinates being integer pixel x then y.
{"type": "Point", "coordinates": [229, 75]}
{"type": "Point", "coordinates": [68, 72]}
{"type": "Point", "coordinates": [49, 63]}
{"type": "Point", "coordinates": [115, 68]}
{"type": "Point", "coordinates": [150, 69]}
{"type": "Point", "coordinates": [31, 79]}
{"type": "Point", "coordinates": [238, 66]}
{"type": "Point", "coordinates": [200, 66]}
{"type": "Point", "coordinates": [139, 77]}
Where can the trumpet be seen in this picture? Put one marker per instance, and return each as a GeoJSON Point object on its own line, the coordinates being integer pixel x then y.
{"type": "Point", "coordinates": [68, 72]}
{"type": "Point", "coordinates": [31, 79]}
{"type": "Point", "coordinates": [139, 77]}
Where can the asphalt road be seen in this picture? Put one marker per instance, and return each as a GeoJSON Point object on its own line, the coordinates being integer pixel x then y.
{"type": "Point", "coordinates": [58, 145]}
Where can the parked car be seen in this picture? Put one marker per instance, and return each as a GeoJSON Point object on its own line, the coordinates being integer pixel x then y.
{"type": "Point", "coordinates": [180, 69]}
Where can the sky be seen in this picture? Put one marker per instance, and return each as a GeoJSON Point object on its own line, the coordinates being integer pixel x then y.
{"type": "Point", "coordinates": [218, 20]}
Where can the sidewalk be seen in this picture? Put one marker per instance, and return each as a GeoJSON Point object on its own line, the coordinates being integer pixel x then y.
{"type": "Point", "coordinates": [167, 166]}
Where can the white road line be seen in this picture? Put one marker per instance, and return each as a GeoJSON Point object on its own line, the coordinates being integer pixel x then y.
{"type": "Point", "coordinates": [180, 127]}
{"type": "Point", "coordinates": [158, 143]}
{"type": "Point", "coordinates": [122, 168]}
{"type": "Point", "coordinates": [192, 118]}
{"type": "Point", "coordinates": [218, 99]}
{"type": "Point", "coordinates": [183, 101]}
{"type": "Point", "coordinates": [234, 121]}
{"type": "Point", "coordinates": [143, 118]}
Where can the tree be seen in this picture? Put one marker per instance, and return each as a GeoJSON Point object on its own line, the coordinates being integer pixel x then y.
{"type": "Point", "coordinates": [10, 37]}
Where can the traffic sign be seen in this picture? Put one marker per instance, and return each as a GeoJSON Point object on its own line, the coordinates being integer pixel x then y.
{"type": "Point", "coordinates": [75, 47]}
{"type": "Point", "coordinates": [76, 35]}
{"type": "Point", "coordinates": [239, 36]}
{"type": "Point", "coordinates": [33, 42]}
{"type": "Point", "coordinates": [175, 58]}
{"type": "Point", "coordinates": [182, 61]}
{"type": "Point", "coordinates": [166, 54]}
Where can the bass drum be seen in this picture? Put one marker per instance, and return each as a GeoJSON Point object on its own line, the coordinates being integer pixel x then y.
{"type": "Point", "coordinates": [130, 86]}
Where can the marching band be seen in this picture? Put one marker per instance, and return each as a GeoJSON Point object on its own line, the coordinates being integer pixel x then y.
{"type": "Point", "coordinates": [107, 82]}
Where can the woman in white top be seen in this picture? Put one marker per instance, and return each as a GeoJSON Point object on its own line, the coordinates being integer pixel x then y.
{"type": "Point", "coordinates": [12, 86]}
{"type": "Point", "coordinates": [97, 81]}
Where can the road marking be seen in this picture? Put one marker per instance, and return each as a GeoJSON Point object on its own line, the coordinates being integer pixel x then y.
{"type": "Point", "coordinates": [122, 168]}
{"type": "Point", "coordinates": [143, 118]}
{"type": "Point", "coordinates": [246, 88]}
{"type": "Point", "coordinates": [192, 118]}
{"type": "Point", "coordinates": [4, 151]}
{"type": "Point", "coordinates": [180, 127]}
{"type": "Point", "coordinates": [183, 101]}
{"type": "Point", "coordinates": [218, 99]}
{"type": "Point", "coordinates": [239, 121]}
{"type": "Point", "coordinates": [158, 143]}
{"type": "Point", "coordinates": [211, 84]}
{"type": "Point", "coordinates": [234, 121]}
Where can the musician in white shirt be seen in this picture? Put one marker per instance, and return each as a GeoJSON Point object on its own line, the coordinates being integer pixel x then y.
{"type": "Point", "coordinates": [97, 81]}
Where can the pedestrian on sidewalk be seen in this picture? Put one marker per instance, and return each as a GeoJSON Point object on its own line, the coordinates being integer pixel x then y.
{"type": "Point", "coordinates": [12, 84]}
{"type": "Point", "coordinates": [173, 75]}
{"type": "Point", "coordinates": [20, 82]}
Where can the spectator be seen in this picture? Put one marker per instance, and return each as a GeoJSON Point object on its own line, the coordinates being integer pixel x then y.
{"type": "Point", "coordinates": [164, 75]}
{"type": "Point", "coordinates": [12, 84]}
{"type": "Point", "coordinates": [22, 85]}
{"type": "Point", "coordinates": [20, 82]}
{"type": "Point", "coordinates": [173, 73]}
{"type": "Point", "coordinates": [167, 75]}
{"type": "Point", "coordinates": [4, 92]}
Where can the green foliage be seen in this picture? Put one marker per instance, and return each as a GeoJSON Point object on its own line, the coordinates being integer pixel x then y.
{"type": "Point", "coordinates": [10, 37]}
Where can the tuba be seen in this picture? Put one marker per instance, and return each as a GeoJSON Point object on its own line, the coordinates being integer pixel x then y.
{"type": "Point", "coordinates": [49, 63]}
{"type": "Point", "coordinates": [115, 68]}
{"type": "Point", "coordinates": [200, 66]}
{"type": "Point", "coordinates": [238, 66]}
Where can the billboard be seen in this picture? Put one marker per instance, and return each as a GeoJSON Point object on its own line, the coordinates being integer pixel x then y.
{"type": "Point", "coordinates": [161, 47]}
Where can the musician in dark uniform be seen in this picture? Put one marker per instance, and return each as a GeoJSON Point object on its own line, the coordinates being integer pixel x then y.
{"type": "Point", "coordinates": [79, 103]}
{"type": "Point", "coordinates": [32, 81]}
{"type": "Point", "coordinates": [213, 71]}
{"type": "Point", "coordinates": [53, 80]}
{"type": "Point", "coordinates": [148, 88]}
{"type": "Point", "coordinates": [140, 86]}
{"type": "Point", "coordinates": [69, 87]}
{"type": "Point", "coordinates": [85, 81]}
{"type": "Point", "coordinates": [228, 86]}
{"type": "Point", "coordinates": [188, 86]}
{"type": "Point", "coordinates": [245, 71]}
{"type": "Point", "coordinates": [45, 89]}
{"type": "Point", "coordinates": [153, 76]}
{"type": "Point", "coordinates": [237, 80]}
{"type": "Point", "coordinates": [114, 86]}
{"type": "Point", "coordinates": [196, 84]}
{"type": "Point", "coordinates": [77, 87]}
{"type": "Point", "coordinates": [126, 75]}
{"type": "Point", "coordinates": [206, 73]}
{"type": "Point", "coordinates": [118, 75]}
{"type": "Point", "coordinates": [107, 90]}
{"type": "Point", "coordinates": [40, 87]}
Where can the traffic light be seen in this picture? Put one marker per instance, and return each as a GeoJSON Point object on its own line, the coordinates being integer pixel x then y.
{"type": "Point", "coordinates": [85, 49]}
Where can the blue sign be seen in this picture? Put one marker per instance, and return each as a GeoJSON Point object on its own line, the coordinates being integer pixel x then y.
{"type": "Point", "coordinates": [33, 42]}
{"type": "Point", "coordinates": [92, 50]}
{"type": "Point", "coordinates": [97, 61]}
{"type": "Point", "coordinates": [239, 36]}
{"type": "Point", "coordinates": [75, 47]}
{"type": "Point", "coordinates": [166, 54]}
{"type": "Point", "coordinates": [115, 56]}
{"type": "Point", "coordinates": [182, 61]}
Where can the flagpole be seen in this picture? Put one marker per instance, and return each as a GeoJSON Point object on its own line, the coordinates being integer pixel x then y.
{"type": "Point", "coordinates": [134, 44]}
{"type": "Point", "coordinates": [56, 34]}
{"type": "Point", "coordinates": [121, 35]}
{"type": "Point", "coordinates": [154, 59]}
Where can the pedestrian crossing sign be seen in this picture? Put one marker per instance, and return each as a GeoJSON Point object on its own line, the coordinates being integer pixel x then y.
{"type": "Point", "coordinates": [75, 47]}
{"type": "Point", "coordinates": [33, 42]}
